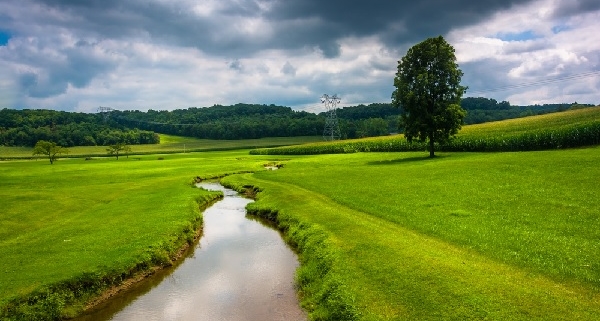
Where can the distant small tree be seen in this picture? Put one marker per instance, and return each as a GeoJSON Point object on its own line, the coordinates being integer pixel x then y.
{"type": "Point", "coordinates": [127, 150]}
{"type": "Point", "coordinates": [118, 148]}
{"type": "Point", "coordinates": [50, 149]}
{"type": "Point", "coordinates": [428, 91]}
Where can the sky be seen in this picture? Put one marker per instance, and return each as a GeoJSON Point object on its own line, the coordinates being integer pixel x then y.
{"type": "Point", "coordinates": [174, 54]}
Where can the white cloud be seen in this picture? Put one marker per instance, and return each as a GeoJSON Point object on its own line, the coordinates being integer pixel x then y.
{"type": "Point", "coordinates": [163, 55]}
{"type": "Point", "coordinates": [550, 47]}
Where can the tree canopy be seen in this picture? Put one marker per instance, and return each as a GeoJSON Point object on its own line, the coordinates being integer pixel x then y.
{"type": "Point", "coordinates": [50, 149]}
{"type": "Point", "coordinates": [429, 93]}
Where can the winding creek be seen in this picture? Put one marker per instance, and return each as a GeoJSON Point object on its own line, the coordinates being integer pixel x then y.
{"type": "Point", "coordinates": [241, 269]}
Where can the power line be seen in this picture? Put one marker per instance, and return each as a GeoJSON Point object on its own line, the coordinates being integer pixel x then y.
{"type": "Point", "coordinates": [539, 82]}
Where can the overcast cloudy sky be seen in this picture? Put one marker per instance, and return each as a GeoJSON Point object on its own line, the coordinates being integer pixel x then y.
{"type": "Point", "coordinates": [168, 54]}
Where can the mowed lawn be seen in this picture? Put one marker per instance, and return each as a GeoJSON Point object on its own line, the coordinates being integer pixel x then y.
{"type": "Point", "coordinates": [77, 217]}
{"type": "Point", "coordinates": [170, 144]}
{"type": "Point", "coordinates": [500, 236]}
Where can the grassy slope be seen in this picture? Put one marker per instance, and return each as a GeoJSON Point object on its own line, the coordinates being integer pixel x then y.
{"type": "Point", "coordinates": [521, 125]}
{"type": "Point", "coordinates": [74, 217]}
{"type": "Point", "coordinates": [464, 236]}
{"type": "Point", "coordinates": [170, 144]}
{"type": "Point", "coordinates": [572, 128]}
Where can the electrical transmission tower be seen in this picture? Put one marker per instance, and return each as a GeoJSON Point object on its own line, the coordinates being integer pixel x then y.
{"type": "Point", "coordinates": [105, 111]}
{"type": "Point", "coordinates": [332, 129]}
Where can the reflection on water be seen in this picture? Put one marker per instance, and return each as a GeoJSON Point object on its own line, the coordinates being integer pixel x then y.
{"type": "Point", "coordinates": [240, 270]}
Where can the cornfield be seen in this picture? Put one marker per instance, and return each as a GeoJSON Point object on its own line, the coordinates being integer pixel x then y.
{"type": "Point", "coordinates": [561, 130]}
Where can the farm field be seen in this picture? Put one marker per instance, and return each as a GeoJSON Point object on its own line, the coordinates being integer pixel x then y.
{"type": "Point", "coordinates": [381, 235]}
{"type": "Point", "coordinates": [500, 236]}
{"type": "Point", "coordinates": [568, 129]}
{"type": "Point", "coordinates": [170, 144]}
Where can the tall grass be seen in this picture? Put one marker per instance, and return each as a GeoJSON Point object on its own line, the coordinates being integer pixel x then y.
{"type": "Point", "coordinates": [552, 131]}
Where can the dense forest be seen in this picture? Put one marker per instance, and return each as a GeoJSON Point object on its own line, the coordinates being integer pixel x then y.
{"type": "Point", "coordinates": [26, 127]}
{"type": "Point", "coordinates": [240, 121]}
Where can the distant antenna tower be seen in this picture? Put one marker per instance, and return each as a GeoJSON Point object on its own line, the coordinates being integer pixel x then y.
{"type": "Point", "coordinates": [332, 129]}
{"type": "Point", "coordinates": [105, 111]}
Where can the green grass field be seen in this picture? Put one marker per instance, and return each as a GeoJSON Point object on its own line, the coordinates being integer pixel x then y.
{"type": "Point", "coordinates": [381, 236]}
{"type": "Point", "coordinates": [80, 220]}
{"type": "Point", "coordinates": [170, 144]}
{"type": "Point", "coordinates": [500, 236]}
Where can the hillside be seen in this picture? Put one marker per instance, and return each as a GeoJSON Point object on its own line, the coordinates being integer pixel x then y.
{"type": "Point", "coordinates": [240, 121]}
{"type": "Point", "coordinates": [573, 128]}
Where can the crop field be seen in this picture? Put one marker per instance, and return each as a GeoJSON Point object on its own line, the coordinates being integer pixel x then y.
{"type": "Point", "coordinates": [380, 235]}
{"type": "Point", "coordinates": [170, 144]}
{"type": "Point", "coordinates": [574, 128]}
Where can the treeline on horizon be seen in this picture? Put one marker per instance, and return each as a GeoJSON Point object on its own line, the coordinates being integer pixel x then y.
{"type": "Point", "coordinates": [240, 121]}
{"type": "Point", "coordinates": [67, 129]}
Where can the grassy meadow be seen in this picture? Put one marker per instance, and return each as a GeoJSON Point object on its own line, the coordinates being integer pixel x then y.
{"type": "Point", "coordinates": [380, 235]}
{"type": "Point", "coordinates": [169, 144]}
{"type": "Point", "coordinates": [499, 236]}
{"type": "Point", "coordinates": [82, 224]}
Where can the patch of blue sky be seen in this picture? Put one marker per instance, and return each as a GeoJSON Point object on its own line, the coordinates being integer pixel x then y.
{"type": "Point", "coordinates": [560, 28]}
{"type": "Point", "coordinates": [4, 36]}
{"type": "Point", "coordinates": [520, 36]}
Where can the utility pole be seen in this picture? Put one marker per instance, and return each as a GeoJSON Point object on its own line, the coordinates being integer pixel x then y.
{"type": "Point", "coordinates": [105, 111]}
{"type": "Point", "coordinates": [332, 128]}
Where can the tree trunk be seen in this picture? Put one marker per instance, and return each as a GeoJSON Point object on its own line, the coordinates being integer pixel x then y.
{"type": "Point", "coordinates": [431, 146]}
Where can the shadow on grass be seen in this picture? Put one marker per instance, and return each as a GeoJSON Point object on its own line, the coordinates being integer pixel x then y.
{"type": "Point", "coordinates": [408, 160]}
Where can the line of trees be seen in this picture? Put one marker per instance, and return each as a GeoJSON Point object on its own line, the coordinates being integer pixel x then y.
{"type": "Point", "coordinates": [240, 121]}
{"type": "Point", "coordinates": [27, 127]}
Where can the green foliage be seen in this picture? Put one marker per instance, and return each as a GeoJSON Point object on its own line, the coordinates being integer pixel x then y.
{"type": "Point", "coordinates": [117, 149]}
{"type": "Point", "coordinates": [240, 121]}
{"type": "Point", "coordinates": [552, 131]}
{"type": "Point", "coordinates": [26, 127]}
{"type": "Point", "coordinates": [49, 149]}
{"type": "Point", "coordinates": [428, 91]}
{"type": "Point", "coordinates": [474, 103]}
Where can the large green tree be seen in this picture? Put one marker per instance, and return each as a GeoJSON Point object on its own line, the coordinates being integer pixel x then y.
{"type": "Point", "coordinates": [428, 91]}
{"type": "Point", "coordinates": [50, 149]}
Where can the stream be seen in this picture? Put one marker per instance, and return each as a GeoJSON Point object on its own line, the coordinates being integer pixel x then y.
{"type": "Point", "coordinates": [241, 269]}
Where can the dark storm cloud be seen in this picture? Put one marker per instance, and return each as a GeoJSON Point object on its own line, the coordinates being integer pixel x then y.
{"type": "Point", "coordinates": [396, 22]}
{"type": "Point", "coordinates": [51, 72]}
{"type": "Point", "coordinates": [573, 7]}
{"type": "Point", "coordinates": [55, 45]}
{"type": "Point", "coordinates": [295, 24]}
